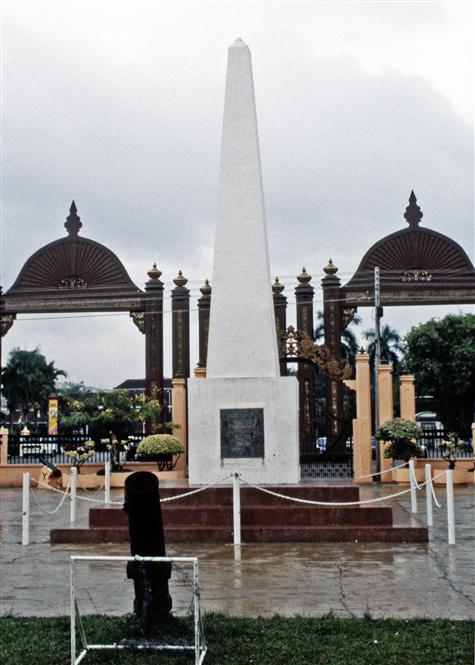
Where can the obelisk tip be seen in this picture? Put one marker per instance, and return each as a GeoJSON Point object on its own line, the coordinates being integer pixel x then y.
{"type": "Point", "coordinates": [238, 43]}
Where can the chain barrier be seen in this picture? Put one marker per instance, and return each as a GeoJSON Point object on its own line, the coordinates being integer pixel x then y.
{"type": "Point", "coordinates": [439, 505]}
{"type": "Point", "coordinates": [120, 503]}
{"type": "Point", "coordinates": [261, 489]}
{"type": "Point", "coordinates": [50, 512]}
{"type": "Point", "coordinates": [380, 473]}
{"type": "Point", "coordinates": [414, 479]}
{"type": "Point", "coordinates": [327, 503]}
{"type": "Point", "coordinates": [96, 491]}
{"type": "Point", "coordinates": [200, 489]}
{"type": "Point", "coordinates": [238, 480]}
{"type": "Point", "coordinates": [168, 498]}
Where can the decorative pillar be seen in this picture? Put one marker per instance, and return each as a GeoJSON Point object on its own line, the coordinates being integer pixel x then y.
{"type": "Point", "coordinates": [280, 313]}
{"type": "Point", "coordinates": [385, 412]}
{"type": "Point", "coordinates": [3, 445]}
{"type": "Point", "coordinates": [332, 327]}
{"type": "Point", "coordinates": [306, 376]}
{"type": "Point", "coordinates": [362, 456]}
{"type": "Point", "coordinates": [153, 326]}
{"type": "Point", "coordinates": [180, 328]}
{"type": "Point", "coordinates": [180, 418]}
{"type": "Point", "coordinates": [407, 396]}
{"type": "Point", "coordinates": [204, 304]}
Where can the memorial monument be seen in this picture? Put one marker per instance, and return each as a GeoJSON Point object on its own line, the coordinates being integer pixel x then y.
{"type": "Point", "coordinates": [243, 416]}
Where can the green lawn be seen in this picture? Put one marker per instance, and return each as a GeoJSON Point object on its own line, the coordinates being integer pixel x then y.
{"type": "Point", "coordinates": [238, 641]}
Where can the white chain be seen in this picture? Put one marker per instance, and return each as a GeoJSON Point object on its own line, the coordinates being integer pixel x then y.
{"type": "Point", "coordinates": [411, 471]}
{"type": "Point", "coordinates": [326, 503]}
{"type": "Point", "coordinates": [96, 491]}
{"type": "Point", "coordinates": [439, 505]}
{"type": "Point", "coordinates": [170, 498]}
{"type": "Point", "coordinates": [51, 512]}
{"type": "Point", "coordinates": [380, 473]}
{"type": "Point", "coordinates": [200, 489]}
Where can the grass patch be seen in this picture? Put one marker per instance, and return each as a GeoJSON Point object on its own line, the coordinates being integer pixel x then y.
{"type": "Point", "coordinates": [243, 641]}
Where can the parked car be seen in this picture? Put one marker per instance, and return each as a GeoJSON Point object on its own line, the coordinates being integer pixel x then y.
{"type": "Point", "coordinates": [36, 448]}
{"type": "Point", "coordinates": [321, 444]}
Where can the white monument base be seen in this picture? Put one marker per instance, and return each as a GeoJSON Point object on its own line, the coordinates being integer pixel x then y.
{"type": "Point", "coordinates": [277, 396]}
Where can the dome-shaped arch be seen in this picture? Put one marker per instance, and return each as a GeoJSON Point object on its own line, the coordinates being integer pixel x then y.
{"type": "Point", "coordinates": [414, 260]}
{"type": "Point", "coordinates": [73, 263]}
{"type": "Point", "coordinates": [71, 268]}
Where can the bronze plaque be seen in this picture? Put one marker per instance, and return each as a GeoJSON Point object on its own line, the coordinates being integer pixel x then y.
{"type": "Point", "coordinates": [242, 433]}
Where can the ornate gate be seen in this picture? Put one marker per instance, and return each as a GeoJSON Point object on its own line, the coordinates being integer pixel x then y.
{"type": "Point", "coordinates": [320, 455]}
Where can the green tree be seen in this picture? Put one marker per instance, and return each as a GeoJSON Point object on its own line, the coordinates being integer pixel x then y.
{"type": "Point", "coordinates": [441, 355]}
{"type": "Point", "coordinates": [27, 380]}
{"type": "Point", "coordinates": [390, 344]}
{"type": "Point", "coordinates": [112, 413]}
{"type": "Point", "coordinates": [349, 343]}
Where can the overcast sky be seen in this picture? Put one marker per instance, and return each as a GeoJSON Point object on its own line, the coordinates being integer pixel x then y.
{"type": "Point", "coordinates": [118, 105]}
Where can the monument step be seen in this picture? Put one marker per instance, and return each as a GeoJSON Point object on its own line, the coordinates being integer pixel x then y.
{"type": "Point", "coordinates": [255, 534]}
{"type": "Point", "coordinates": [223, 494]}
{"type": "Point", "coordinates": [288, 514]}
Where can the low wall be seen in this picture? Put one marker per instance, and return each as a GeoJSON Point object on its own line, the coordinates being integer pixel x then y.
{"type": "Point", "coordinates": [442, 464]}
{"type": "Point", "coordinates": [437, 465]}
{"type": "Point", "coordinates": [11, 475]}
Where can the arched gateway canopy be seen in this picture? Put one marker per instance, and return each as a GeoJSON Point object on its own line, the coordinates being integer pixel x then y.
{"type": "Point", "coordinates": [72, 273]}
{"type": "Point", "coordinates": [417, 266]}
{"type": "Point", "coordinates": [75, 274]}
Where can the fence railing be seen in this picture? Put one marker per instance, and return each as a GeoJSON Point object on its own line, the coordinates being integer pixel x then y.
{"type": "Point", "coordinates": [430, 444]}
{"type": "Point", "coordinates": [30, 449]}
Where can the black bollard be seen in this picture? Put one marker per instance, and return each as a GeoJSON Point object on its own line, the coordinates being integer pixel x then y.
{"type": "Point", "coordinates": [142, 504]}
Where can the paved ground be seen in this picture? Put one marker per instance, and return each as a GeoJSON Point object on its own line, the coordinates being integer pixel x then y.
{"type": "Point", "coordinates": [403, 580]}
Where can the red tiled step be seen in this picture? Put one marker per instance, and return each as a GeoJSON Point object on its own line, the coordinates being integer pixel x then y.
{"type": "Point", "coordinates": [257, 534]}
{"type": "Point", "coordinates": [287, 514]}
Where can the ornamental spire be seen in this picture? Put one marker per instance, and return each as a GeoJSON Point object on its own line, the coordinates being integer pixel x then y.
{"type": "Point", "coordinates": [413, 214]}
{"type": "Point", "coordinates": [73, 221]}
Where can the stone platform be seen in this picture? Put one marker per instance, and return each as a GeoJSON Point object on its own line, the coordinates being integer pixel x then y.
{"type": "Point", "coordinates": [208, 517]}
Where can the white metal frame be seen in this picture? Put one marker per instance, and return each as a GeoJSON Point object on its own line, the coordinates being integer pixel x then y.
{"type": "Point", "coordinates": [199, 647]}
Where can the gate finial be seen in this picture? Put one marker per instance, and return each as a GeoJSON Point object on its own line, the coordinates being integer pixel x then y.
{"type": "Point", "coordinates": [73, 221]}
{"type": "Point", "coordinates": [413, 214]}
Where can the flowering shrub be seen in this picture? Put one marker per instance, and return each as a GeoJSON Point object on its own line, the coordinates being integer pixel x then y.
{"type": "Point", "coordinates": [160, 444]}
{"type": "Point", "coordinates": [116, 447]}
{"type": "Point", "coordinates": [450, 447]}
{"type": "Point", "coordinates": [400, 436]}
{"type": "Point", "coordinates": [80, 453]}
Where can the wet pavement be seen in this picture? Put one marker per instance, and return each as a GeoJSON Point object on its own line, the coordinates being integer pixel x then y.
{"type": "Point", "coordinates": [387, 580]}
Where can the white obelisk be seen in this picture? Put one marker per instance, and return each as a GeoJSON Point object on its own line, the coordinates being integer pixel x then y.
{"type": "Point", "coordinates": [242, 293]}
{"type": "Point", "coordinates": [243, 416]}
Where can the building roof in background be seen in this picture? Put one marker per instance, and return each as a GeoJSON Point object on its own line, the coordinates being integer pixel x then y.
{"type": "Point", "coordinates": [139, 384]}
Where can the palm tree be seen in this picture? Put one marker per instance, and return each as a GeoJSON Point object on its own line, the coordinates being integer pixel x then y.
{"type": "Point", "coordinates": [349, 343]}
{"type": "Point", "coordinates": [390, 345]}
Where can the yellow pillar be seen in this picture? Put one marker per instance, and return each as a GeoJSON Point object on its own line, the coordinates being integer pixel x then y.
{"type": "Point", "coordinates": [180, 418]}
{"type": "Point", "coordinates": [3, 445]}
{"type": "Point", "coordinates": [407, 395]}
{"type": "Point", "coordinates": [362, 463]}
{"type": "Point", "coordinates": [385, 412]}
{"type": "Point", "coordinates": [200, 372]}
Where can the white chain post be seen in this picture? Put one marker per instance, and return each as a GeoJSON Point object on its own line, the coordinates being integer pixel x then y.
{"type": "Point", "coordinates": [25, 522]}
{"type": "Point", "coordinates": [107, 482]}
{"type": "Point", "coordinates": [430, 518]}
{"type": "Point", "coordinates": [450, 506]}
{"type": "Point", "coordinates": [236, 509]}
{"type": "Point", "coordinates": [74, 487]}
{"type": "Point", "coordinates": [413, 487]}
